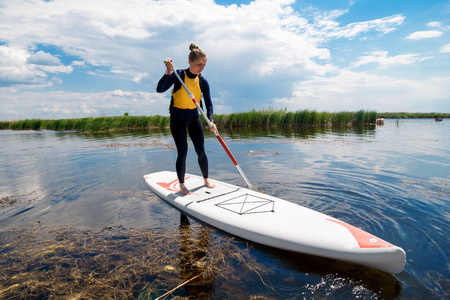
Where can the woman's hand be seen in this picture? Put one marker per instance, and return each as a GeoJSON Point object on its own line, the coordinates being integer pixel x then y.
{"type": "Point", "coordinates": [169, 65]}
{"type": "Point", "coordinates": [213, 128]}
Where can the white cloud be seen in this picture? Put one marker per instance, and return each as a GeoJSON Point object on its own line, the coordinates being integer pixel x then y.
{"type": "Point", "coordinates": [418, 35]}
{"type": "Point", "coordinates": [383, 26]}
{"type": "Point", "coordinates": [120, 93]}
{"type": "Point", "coordinates": [15, 70]}
{"type": "Point", "coordinates": [350, 90]}
{"type": "Point", "coordinates": [60, 104]}
{"type": "Point", "coordinates": [56, 69]}
{"type": "Point", "coordinates": [327, 26]}
{"type": "Point", "coordinates": [262, 37]}
{"type": "Point", "coordinates": [382, 58]}
{"type": "Point", "coordinates": [78, 63]}
{"type": "Point", "coordinates": [445, 48]}
{"type": "Point", "coordinates": [434, 24]}
{"type": "Point", "coordinates": [56, 80]}
{"type": "Point", "coordinates": [138, 77]}
{"type": "Point", "coordinates": [19, 67]}
{"type": "Point", "coordinates": [86, 110]}
{"type": "Point", "coordinates": [43, 58]}
{"type": "Point", "coordinates": [56, 109]}
{"type": "Point", "coordinates": [255, 51]}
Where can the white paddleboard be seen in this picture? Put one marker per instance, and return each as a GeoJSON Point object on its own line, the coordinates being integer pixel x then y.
{"type": "Point", "coordinates": [275, 222]}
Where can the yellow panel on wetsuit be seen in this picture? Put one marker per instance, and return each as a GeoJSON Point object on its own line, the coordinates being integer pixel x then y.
{"type": "Point", "coordinates": [181, 98]}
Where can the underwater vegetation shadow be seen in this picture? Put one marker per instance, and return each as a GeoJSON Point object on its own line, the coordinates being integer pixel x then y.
{"type": "Point", "coordinates": [118, 263]}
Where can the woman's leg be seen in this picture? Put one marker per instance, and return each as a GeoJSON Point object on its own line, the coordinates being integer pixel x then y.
{"type": "Point", "coordinates": [178, 129]}
{"type": "Point", "coordinates": [195, 130]}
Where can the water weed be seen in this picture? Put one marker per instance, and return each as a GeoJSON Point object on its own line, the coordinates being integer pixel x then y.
{"type": "Point", "coordinates": [118, 263]}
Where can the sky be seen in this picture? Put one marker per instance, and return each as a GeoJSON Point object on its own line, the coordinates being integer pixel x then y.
{"type": "Point", "coordinates": [84, 58]}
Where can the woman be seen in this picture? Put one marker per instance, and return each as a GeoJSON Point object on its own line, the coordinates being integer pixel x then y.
{"type": "Point", "coordinates": [184, 115]}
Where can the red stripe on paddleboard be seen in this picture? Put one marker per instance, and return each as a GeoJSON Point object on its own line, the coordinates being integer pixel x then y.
{"type": "Point", "coordinates": [364, 239]}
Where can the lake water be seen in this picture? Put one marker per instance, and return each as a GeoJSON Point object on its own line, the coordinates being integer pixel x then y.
{"type": "Point", "coordinates": [65, 194]}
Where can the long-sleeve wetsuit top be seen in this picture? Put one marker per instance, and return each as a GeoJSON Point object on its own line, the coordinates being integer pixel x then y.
{"type": "Point", "coordinates": [168, 80]}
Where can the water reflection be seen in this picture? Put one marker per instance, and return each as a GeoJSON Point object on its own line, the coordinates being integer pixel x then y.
{"type": "Point", "coordinates": [296, 132]}
{"type": "Point", "coordinates": [195, 271]}
{"type": "Point", "coordinates": [320, 278]}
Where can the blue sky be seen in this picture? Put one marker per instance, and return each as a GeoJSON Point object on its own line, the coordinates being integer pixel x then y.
{"type": "Point", "coordinates": [70, 59]}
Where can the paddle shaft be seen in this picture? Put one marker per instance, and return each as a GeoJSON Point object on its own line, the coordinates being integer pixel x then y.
{"type": "Point", "coordinates": [221, 141]}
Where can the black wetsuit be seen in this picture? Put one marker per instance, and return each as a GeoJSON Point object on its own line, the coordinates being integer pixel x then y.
{"type": "Point", "coordinates": [183, 121]}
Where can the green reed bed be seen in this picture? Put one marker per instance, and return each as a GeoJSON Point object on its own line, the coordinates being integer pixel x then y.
{"type": "Point", "coordinates": [286, 118]}
{"type": "Point", "coordinates": [253, 118]}
{"type": "Point", "coordinates": [90, 124]}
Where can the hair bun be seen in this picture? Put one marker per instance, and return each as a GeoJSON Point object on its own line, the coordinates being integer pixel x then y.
{"type": "Point", "coordinates": [193, 46]}
{"type": "Point", "coordinates": [196, 52]}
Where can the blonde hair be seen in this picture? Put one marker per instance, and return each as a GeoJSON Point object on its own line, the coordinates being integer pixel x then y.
{"type": "Point", "coordinates": [196, 52]}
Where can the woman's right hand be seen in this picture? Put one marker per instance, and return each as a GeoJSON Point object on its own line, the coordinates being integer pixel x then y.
{"type": "Point", "coordinates": [169, 65]}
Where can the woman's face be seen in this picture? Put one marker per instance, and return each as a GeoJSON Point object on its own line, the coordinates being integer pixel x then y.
{"type": "Point", "coordinates": [196, 67]}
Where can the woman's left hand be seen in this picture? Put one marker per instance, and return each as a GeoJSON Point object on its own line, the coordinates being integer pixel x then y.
{"type": "Point", "coordinates": [213, 128]}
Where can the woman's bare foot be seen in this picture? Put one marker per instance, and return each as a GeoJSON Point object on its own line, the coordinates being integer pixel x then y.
{"type": "Point", "coordinates": [184, 190]}
{"type": "Point", "coordinates": [209, 184]}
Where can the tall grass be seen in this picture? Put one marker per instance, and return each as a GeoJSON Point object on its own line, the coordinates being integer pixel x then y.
{"type": "Point", "coordinates": [299, 118]}
{"type": "Point", "coordinates": [90, 124]}
{"type": "Point", "coordinates": [268, 118]}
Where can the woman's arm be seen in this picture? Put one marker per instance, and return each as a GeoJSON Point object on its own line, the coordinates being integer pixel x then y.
{"type": "Point", "coordinates": [165, 83]}
{"type": "Point", "coordinates": [207, 97]}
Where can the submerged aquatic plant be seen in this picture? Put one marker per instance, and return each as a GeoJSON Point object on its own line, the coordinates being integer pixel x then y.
{"type": "Point", "coordinates": [116, 263]}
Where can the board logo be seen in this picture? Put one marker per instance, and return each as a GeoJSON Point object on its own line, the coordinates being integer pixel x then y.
{"type": "Point", "coordinates": [171, 185]}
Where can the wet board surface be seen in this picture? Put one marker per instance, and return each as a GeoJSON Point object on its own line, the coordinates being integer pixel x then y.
{"type": "Point", "coordinates": [276, 222]}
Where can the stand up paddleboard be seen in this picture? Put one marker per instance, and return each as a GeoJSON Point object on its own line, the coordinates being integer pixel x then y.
{"type": "Point", "coordinates": [275, 222]}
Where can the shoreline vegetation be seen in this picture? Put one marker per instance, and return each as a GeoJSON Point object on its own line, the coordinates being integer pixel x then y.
{"type": "Point", "coordinates": [253, 118]}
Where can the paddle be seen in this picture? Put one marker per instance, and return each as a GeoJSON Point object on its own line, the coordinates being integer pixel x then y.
{"type": "Point", "coordinates": [230, 155]}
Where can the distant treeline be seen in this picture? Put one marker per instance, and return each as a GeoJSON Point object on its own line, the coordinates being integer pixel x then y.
{"type": "Point", "coordinates": [404, 115]}
{"type": "Point", "coordinates": [244, 119]}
